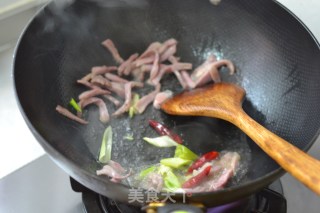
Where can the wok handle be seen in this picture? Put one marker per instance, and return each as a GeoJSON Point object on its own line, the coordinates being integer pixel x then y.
{"type": "Point", "coordinates": [298, 163]}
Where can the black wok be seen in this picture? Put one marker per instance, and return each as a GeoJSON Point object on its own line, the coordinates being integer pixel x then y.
{"type": "Point", "coordinates": [277, 62]}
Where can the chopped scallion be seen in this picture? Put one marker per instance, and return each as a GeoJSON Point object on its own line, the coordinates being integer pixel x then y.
{"type": "Point", "coordinates": [132, 109]}
{"type": "Point", "coordinates": [75, 105]}
{"type": "Point", "coordinates": [146, 171]}
{"type": "Point", "coordinates": [175, 162]}
{"type": "Point", "coordinates": [171, 181]}
{"type": "Point", "coordinates": [162, 141]}
{"type": "Point", "coordinates": [185, 153]}
{"type": "Point", "coordinates": [106, 146]}
{"type": "Point", "coordinates": [129, 137]}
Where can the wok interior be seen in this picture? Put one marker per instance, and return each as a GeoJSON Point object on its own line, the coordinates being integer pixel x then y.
{"type": "Point", "coordinates": [276, 59]}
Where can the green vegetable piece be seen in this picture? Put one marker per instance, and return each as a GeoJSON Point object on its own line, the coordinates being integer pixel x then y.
{"type": "Point", "coordinates": [146, 171]}
{"type": "Point", "coordinates": [164, 169]}
{"type": "Point", "coordinates": [175, 162]}
{"type": "Point", "coordinates": [131, 112]}
{"type": "Point", "coordinates": [171, 181]}
{"type": "Point", "coordinates": [75, 105]}
{"type": "Point", "coordinates": [162, 141]}
{"type": "Point", "coordinates": [132, 109]}
{"type": "Point", "coordinates": [129, 137]}
{"type": "Point", "coordinates": [106, 146]}
{"type": "Point", "coordinates": [185, 153]}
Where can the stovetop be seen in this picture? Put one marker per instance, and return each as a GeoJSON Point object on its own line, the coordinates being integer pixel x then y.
{"type": "Point", "coordinates": [268, 200]}
{"type": "Point", "coordinates": [42, 186]}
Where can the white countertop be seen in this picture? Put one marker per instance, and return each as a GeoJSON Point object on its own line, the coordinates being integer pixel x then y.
{"type": "Point", "coordinates": [18, 147]}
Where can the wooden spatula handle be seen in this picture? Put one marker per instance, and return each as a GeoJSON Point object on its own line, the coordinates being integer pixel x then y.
{"type": "Point", "coordinates": [299, 164]}
{"type": "Point", "coordinates": [224, 101]}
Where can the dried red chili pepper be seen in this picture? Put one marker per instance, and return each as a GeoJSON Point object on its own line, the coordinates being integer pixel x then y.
{"type": "Point", "coordinates": [163, 130]}
{"type": "Point", "coordinates": [196, 180]}
{"type": "Point", "coordinates": [202, 160]}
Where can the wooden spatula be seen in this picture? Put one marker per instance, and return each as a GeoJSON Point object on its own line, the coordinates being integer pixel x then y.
{"type": "Point", "coordinates": [224, 101]}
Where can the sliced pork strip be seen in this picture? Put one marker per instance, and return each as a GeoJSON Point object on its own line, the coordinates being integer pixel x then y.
{"type": "Point", "coordinates": [126, 105]}
{"type": "Point", "coordinates": [205, 73]}
{"type": "Point", "coordinates": [115, 171]}
{"type": "Point", "coordinates": [204, 67]}
{"type": "Point", "coordinates": [146, 67]}
{"type": "Point", "coordinates": [103, 111]}
{"type": "Point", "coordinates": [128, 93]}
{"type": "Point", "coordinates": [151, 48]}
{"type": "Point", "coordinates": [113, 50]}
{"type": "Point", "coordinates": [127, 64]}
{"type": "Point", "coordinates": [79, 114]}
{"type": "Point", "coordinates": [214, 182]}
{"type": "Point", "coordinates": [115, 78]}
{"type": "Point", "coordinates": [229, 165]}
{"type": "Point", "coordinates": [63, 111]}
{"type": "Point", "coordinates": [117, 88]}
{"type": "Point", "coordinates": [176, 66]}
{"type": "Point", "coordinates": [117, 179]}
{"type": "Point", "coordinates": [181, 66]}
{"type": "Point", "coordinates": [211, 75]}
{"type": "Point", "coordinates": [222, 171]}
{"type": "Point", "coordinates": [147, 99]}
{"type": "Point", "coordinates": [87, 84]}
{"type": "Point", "coordinates": [116, 166]}
{"type": "Point", "coordinates": [146, 60]}
{"type": "Point", "coordinates": [230, 160]}
{"type": "Point", "coordinates": [129, 68]}
{"type": "Point", "coordinates": [161, 97]}
{"type": "Point", "coordinates": [86, 77]}
{"type": "Point", "coordinates": [180, 79]}
{"type": "Point", "coordinates": [112, 99]}
{"type": "Point", "coordinates": [168, 43]}
{"type": "Point", "coordinates": [163, 70]}
{"type": "Point", "coordinates": [182, 76]}
{"type": "Point", "coordinates": [152, 181]}
{"type": "Point", "coordinates": [168, 52]}
{"type": "Point", "coordinates": [155, 67]}
{"type": "Point", "coordinates": [100, 70]}
{"type": "Point", "coordinates": [101, 81]}
{"type": "Point", "coordinates": [139, 73]}
{"type": "Point", "coordinates": [136, 84]}
{"type": "Point", "coordinates": [227, 63]}
{"type": "Point", "coordinates": [221, 181]}
{"type": "Point", "coordinates": [104, 114]}
{"type": "Point", "coordinates": [173, 59]}
{"type": "Point", "coordinates": [214, 75]}
{"type": "Point", "coordinates": [209, 71]}
{"type": "Point", "coordinates": [187, 79]}
{"type": "Point", "coordinates": [93, 92]}
{"type": "Point", "coordinates": [115, 176]}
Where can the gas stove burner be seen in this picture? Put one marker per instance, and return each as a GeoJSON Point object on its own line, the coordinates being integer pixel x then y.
{"type": "Point", "coordinates": [111, 206]}
{"type": "Point", "coordinates": [268, 200]}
